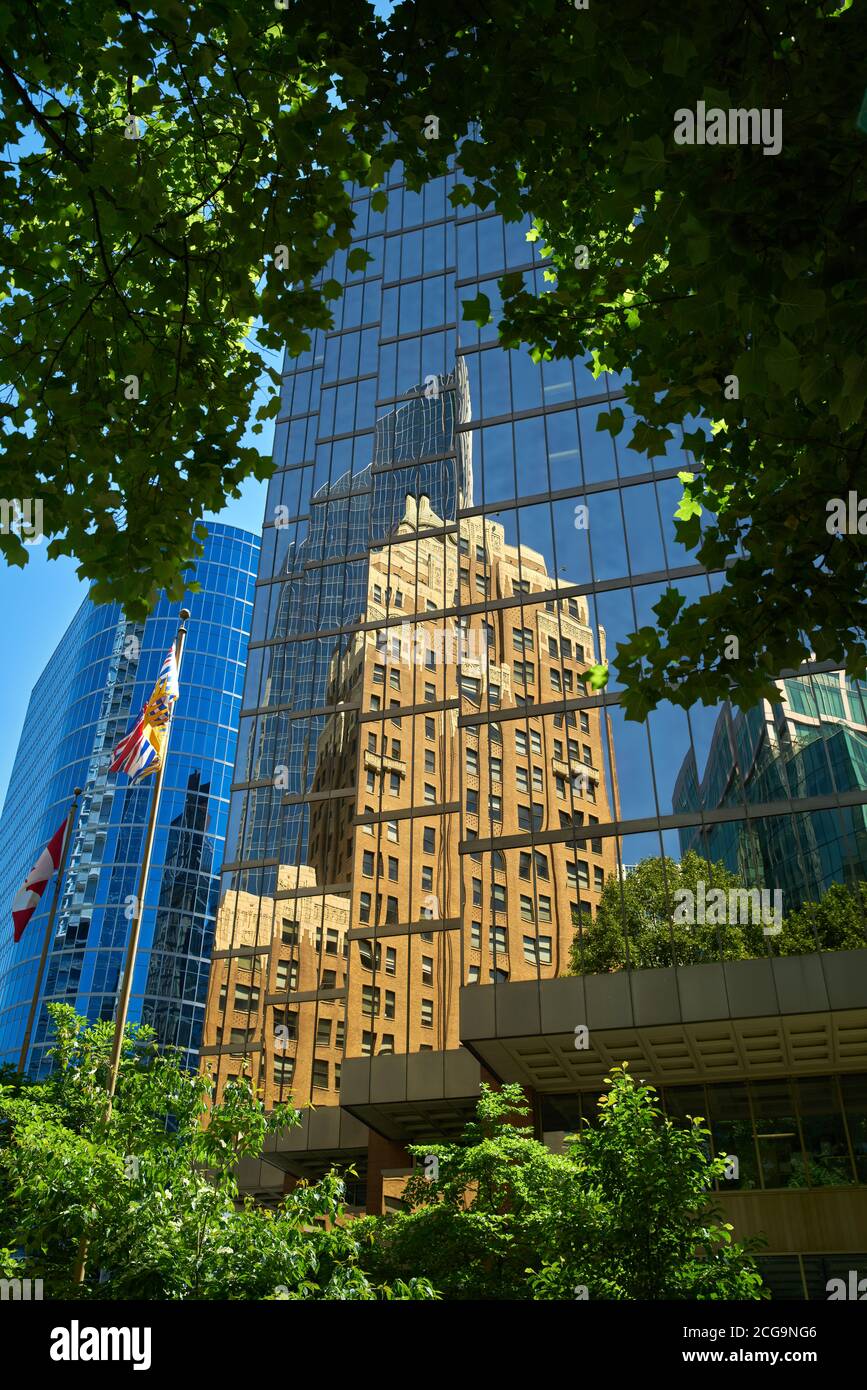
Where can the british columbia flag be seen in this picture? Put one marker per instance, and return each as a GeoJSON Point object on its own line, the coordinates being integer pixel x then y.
{"type": "Point", "coordinates": [140, 752]}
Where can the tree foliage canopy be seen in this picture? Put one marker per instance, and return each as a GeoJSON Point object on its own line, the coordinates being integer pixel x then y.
{"type": "Point", "coordinates": [155, 1192]}
{"type": "Point", "coordinates": [625, 1212]}
{"type": "Point", "coordinates": [638, 925]}
{"type": "Point", "coordinates": [683, 267]}
{"type": "Point", "coordinates": [163, 156]}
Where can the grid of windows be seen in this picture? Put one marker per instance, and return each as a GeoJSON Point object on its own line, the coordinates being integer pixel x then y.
{"type": "Point", "coordinates": [452, 540]}
{"type": "Point", "coordinates": [90, 692]}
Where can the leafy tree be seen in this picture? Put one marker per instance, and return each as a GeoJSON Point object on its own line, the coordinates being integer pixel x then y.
{"type": "Point", "coordinates": [500, 1201]}
{"type": "Point", "coordinates": [175, 181]}
{"type": "Point", "coordinates": [154, 1191]}
{"type": "Point", "coordinates": [726, 282]}
{"type": "Point", "coordinates": [835, 923]}
{"type": "Point", "coordinates": [727, 285]}
{"type": "Point", "coordinates": [662, 1238]}
{"type": "Point", "coordinates": [635, 926]}
{"type": "Point", "coordinates": [623, 1214]}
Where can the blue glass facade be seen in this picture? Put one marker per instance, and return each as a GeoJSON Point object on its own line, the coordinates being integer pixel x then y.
{"type": "Point", "coordinates": [92, 687]}
{"type": "Point", "coordinates": [814, 742]}
{"type": "Point", "coordinates": [397, 834]}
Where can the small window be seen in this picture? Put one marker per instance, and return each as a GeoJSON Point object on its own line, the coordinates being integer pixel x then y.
{"type": "Point", "coordinates": [497, 939]}
{"type": "Point", "coordinates": [370, 954]}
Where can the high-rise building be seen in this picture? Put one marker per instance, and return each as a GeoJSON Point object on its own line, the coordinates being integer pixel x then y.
{"type": "Point", "coordinates": [813, 743]}
{"type": "Point", "coordinates": [431, 799]}
{"type": "Point", "coordinates": [390, 802]}
{"type": "Point", "coordinates": [93, 686]}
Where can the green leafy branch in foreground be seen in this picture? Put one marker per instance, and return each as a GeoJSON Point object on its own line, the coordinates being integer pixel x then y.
{"type": "Point", "coordinates": [625, 1212]}
{"type": "Point", "coordinates": [726, 285]}
{"type": "Point", "coordinates": [154, 1191]}
{"type": "Point", "coordinates": [173, 186]}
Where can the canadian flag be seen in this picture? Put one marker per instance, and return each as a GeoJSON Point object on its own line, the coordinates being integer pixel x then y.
{"type": "Point", "coordinates": [27, 899]}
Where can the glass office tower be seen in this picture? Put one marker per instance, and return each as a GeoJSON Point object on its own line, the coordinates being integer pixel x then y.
{"type": "Point", "coordinates": [90, 691]}
{"type": "Point", "coordinates": [431, 805]}
{"type": "Point", "coordinates": [813, 739]}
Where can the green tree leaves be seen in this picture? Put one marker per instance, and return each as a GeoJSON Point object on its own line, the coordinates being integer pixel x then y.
{"type": "Point", "coordinates": [154, 1192]}
{"type": "Point", "coordinates": [708, 262]}
{"type": "Point", "coordinates": [146, 257]}
{"type": "Point", "coordinates": [154, 258]}
{"type": "Point", "coordinates": [623, 1213]}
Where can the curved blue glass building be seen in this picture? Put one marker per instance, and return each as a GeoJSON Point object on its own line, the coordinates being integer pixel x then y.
{"type": "Point", "coordinates": [92, 687]}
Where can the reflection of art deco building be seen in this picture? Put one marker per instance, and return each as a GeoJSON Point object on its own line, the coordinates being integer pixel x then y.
{"type": "Point", "coordinates": [412, 834]}
{"type": "Point", "coordinates": [419, 906]}
{"type": "Point", "coordinates": [392, 797]}
{"type": "Point", "coordinates": [322, 567]}
{"type": "Point", "coordinates": [812, 744]}
{"type": "Point", "coordinates": [266, 960]}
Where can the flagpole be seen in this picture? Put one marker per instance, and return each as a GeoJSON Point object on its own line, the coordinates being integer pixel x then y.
{"type": "Point", "coordinates": [49, 928]}
{"type": "Point", "coordinates": [135, 928]}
